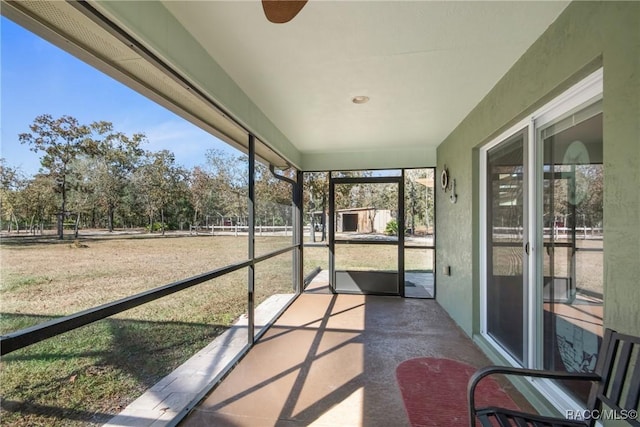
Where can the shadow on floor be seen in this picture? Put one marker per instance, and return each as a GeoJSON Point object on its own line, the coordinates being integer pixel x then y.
{"type": "Point", "coordinates": [331, 360]}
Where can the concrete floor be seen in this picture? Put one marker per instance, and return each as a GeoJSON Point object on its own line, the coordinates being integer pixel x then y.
{"type": "Point", "coordinates": [419, 284]}
{"type": "Point", "coordinates": [330, 360]}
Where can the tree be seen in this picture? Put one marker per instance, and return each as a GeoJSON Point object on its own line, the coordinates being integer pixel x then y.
{"type": "Point", "coordinates": [61, 141]}
{"type": "Point", "coordinates": [117, 157]}
{"type": "Point", "coordinates": [36, 201]}
{"type": "Point", "coordinates": [419, 196]}
{"type": "Point", "coordinates": [201, 193]}
{"type": "Point", "coordinates": [349, 195]}
{"type": "Point", "coordinates": [25, 201]}
{"type": "Point", "coordinates": [231, 182]}
{"type": "Point", "coordinates": [273, 196]}
{"type": "Point", "coordinates": [316, 192]}
{"type": "Point", "coordinates": [160, 182]}
{"type": "Point", "coordinates": [10, 182]}
{"type": "Point", "coordinates": [592, 206]}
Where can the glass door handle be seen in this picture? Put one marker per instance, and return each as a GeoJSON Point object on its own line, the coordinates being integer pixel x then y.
{"type": "Point", "coordinates": [526, 248]}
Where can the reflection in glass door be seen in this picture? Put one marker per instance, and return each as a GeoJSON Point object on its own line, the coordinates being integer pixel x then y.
{"type": "Point", "coordinates": [505, 293]}
{"type": "Point", "coordinates": [573, 243]}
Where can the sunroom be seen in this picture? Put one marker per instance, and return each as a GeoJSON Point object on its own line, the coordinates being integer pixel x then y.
{"type": "Point", "coordinates": [508, 129]}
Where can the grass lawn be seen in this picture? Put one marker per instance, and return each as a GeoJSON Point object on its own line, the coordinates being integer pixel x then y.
{"type": "Point", "coordinates": [88, 375]}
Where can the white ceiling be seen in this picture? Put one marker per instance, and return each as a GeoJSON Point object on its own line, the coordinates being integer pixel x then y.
{"type": "Point", "coordinates": [424, 64]}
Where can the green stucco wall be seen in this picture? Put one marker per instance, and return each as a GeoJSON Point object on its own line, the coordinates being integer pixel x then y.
{"type": "Point", "coordinates": [585, 36]}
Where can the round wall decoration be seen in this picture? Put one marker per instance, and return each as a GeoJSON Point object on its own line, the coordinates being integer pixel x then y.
{"type": "Point", "coordinates": [444, 179]}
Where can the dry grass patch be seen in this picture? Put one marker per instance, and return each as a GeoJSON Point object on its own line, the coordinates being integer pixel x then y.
{"type": "Point", "coordinates": [87, 375]}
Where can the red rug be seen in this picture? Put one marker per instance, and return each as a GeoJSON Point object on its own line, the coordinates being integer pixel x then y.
{"type": "Point", "coordinates": [435, 392]}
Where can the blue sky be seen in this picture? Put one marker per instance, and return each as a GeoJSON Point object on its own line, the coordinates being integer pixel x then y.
{"type": "Point", "coordinates": [39, 78]}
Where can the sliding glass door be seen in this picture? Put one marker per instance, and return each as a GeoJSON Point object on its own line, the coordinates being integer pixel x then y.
{"type": "Point", "coordinates": [542, 238]}
{"type": "Point", "coordinates": [505, 244]}
{"type": "Point", "coordinates": [572, 192]}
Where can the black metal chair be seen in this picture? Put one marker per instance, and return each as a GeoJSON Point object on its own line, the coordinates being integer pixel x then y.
{"type": "Point", "coordinates": [615, 383]}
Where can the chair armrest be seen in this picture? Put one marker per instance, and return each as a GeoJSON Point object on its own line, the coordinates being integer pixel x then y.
{"type": "Point", "coordinates": [508, 370]}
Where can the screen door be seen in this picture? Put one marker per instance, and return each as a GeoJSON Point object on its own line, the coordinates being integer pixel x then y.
{"type": "Point", "coordinates": [366, 235]}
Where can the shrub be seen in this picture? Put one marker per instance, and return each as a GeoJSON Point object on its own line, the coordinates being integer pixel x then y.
{"type": "Point", "coordinates": [391, 228]}
{"type": "Point", "coordinates": [157, 226]}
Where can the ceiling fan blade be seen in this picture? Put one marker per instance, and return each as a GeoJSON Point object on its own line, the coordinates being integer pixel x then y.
{"type": "Point", "coordinates": [281, 11]}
